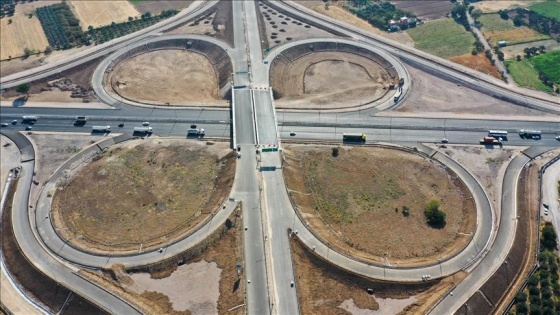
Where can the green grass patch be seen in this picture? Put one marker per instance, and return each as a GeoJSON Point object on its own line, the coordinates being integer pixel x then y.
{"type": "Point", "coordinates": [549, 8]}
{"type": "Point", "coordinates": [525, 74]}
{"type": "Point", "coordinates": [443, 38]}
{"type": "Point", "coordinates": [548, 64]}
{"type": "Point", "coordinates": [494, 23]}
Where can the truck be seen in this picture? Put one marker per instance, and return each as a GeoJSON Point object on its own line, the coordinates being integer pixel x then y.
{"type": "Point", "coordinates": [101, 129]}
{"type": "Point", "coordinates": [533, 134]}
{"type": "Point", "coordinates": [29, 119]}
{"type": "Point", "coordinates": [354, 137]}
{"type": "Point", "coordinates": [195, 132]}
{"type": "Point", "coordinates": [80, 120]}
{"type": "Point", "coordinates": [489, 140]}
{"type": "Point", "coordinates": [143, 130]}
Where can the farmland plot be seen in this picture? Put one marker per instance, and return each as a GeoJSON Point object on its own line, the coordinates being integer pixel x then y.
{"type": "Point", "coordinates": [23, 32]}
{"type": "Point", "coordinates": [443, 38]}
{"type": "Point", "coordinates": [99, 13]}
{"type": "Point", "coordinates": [496, 29]}
{"type": "Point", "coordinates": [425, 9]}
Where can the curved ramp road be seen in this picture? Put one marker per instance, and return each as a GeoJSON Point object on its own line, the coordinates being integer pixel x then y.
{"type": "Point", "coordinates": [37, 255]}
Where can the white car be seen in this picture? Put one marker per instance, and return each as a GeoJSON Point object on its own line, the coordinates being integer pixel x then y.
{"type": "Point", "coordinates": [557, 138]}
{"type": "Point", "coordinates": [4, 125]}
{"type": "Point", "coordinates": [444, 140]}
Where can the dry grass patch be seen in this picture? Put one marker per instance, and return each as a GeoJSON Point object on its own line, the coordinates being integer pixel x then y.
{"type": "Point", "coordinates": [358, 201]}
{"type": "Point", "coordinates": [166, 77]}
{"type": "Point", "coordinates": [479, 63]}
{"type": "Point", "coordinates": [99, 13]}
{"type": "Point", "coordinates": [495, 6]}
{"type": "Point", "coordinates": [23, 32]}
{"type": "Point", "coordinates": [147, 194]}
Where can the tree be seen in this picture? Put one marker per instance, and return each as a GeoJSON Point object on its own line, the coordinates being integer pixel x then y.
{"type": "Point", "coordinates": [23, 89]}
{"type": "Point", "coordinates": [518, 21]}
{"type": "Point", "coordinates": [48, 50]}
{"type": "Point", "coordinates": [518, 57]}
{"type": "Point", "coordinates": [335, 151]}
{"type": "Point", "coordinates": [535, 309]}
{"type": "Point", "coordinates": [130, 18]}
{"type": "Point", "coordinates": [548, 237]}
{"type": "Point", "coordinates": [522, 308]}
{"type": "Point", "coordinates": [503, 14]}
{"type": "Point", "coordinates": [521, 297]}
{"type": "Point", "coordinates": [434, 215]}
{"type": "Point", "coordinates": [476, 13]}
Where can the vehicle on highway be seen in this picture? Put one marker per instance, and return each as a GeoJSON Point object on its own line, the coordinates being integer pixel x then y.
{"type": "Point", "coordinates": [490, 140]}
{"type": "Point", "coordinates": [29, 119]}
{"type": "Point", "coordinates": [354, 137]}
{"type": "Point", "coordinates": [238, 148]}
{"type": "Point", "coordinates": [292, 133]}
{"type": "Point", "coordinates": [193, 126]}
{"type": "Point", "coordinates": [14, 122]}
{"type": "Point", "coordinates": [545, 211]}
{"type": "Point", "coordinates": [28, 128]}
{"type": "Point", "coordinates": [4, 125]}
{"type": "Point", "coordinates": [498, 134]}
{"type": "Point", "coordinates": [195, 132]}
{"type": "Point", "coordinates": [444, 140]}
{"type": "Point", "coordinates": [533, 134]}
{"type": "Point", "coordinates": [121, 125]}
{"type": "Point", "coordinates": [143, 130]}
{"type": "Point", "coordinates": [397, 95]}
{"type": "Point", "coordinates": [146, 123]}
{"type": "Point", "coordinates": [101, 129]}
{"type": "Point", "coordinates": [80, 121]}
{"type": "Point", "coordinates": [238, 155]}
{"type": "Point", "coordinates": [557, 138]}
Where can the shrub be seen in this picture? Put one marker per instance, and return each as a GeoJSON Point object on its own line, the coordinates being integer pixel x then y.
{"type": "Point", "coordinates": [335, 151]}
{"type": "Point", "coordinates": [434, 215]}
{"type": "Point", "coordinates": [548, 237]}
{"type": "Point", "coordinates": [521, 297]}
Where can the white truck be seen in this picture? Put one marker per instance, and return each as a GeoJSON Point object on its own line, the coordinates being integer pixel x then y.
{"type": "Point", "coordinates": [101, 129]}
{"type": "Point", "coordinates": [143, 130]}
{"type": "Point", "coordinates": [195, 132]}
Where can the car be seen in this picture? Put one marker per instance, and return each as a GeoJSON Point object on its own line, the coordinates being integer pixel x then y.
{"type": "Point", "coordinates": [238, 148]}
{"type": "Point", "coordinates": [146, 123]}
{"type": "Point", "coordinates": [238, 155]}
{"type": "Point", "coordinates": [536, 137]}
{"type": "Point", "coordinates": [545, 212]}
{"type": "Point", "coordinates": [4, 125]}
{"type": "Point", "coordinates": [28, 128]}
{"type": "Point", "coordinates": [557, 138]}
{"type": "Point", "coordinates": [121, 125]}
{"type": "Point", "coordinates": [292, 133]}
{"type": "Point", "coordinates": [444, 140]}
{"type": "Point", "coordinates": [193, 126]}
{"type": "Point", "coordinates": [14, 122]}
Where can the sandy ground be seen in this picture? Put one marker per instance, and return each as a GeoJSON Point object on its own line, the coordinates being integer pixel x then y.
{"type": "Point", "coordinates": [478, 63]}
{"type": "Point", "coordinates": [23, 32]}
{"type": "Point", "coordinates": [496, 5]}
{"type": "Point", "coordinates": [166, 77]}
{"type": "Point", "coordinates": [434, 95]}
{"type": "Point", "coordinates": [329, 80]}
{"type": "Point", "coordinates": [386, 306]}
{"type": "Point", "coordinates": [99, 13]}
{"type": "Point", "coordinates": [199, 294]}
{"type": "Point", "coordinates": [204, 27]}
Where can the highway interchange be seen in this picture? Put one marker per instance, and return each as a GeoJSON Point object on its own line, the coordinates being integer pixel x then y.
{"type": "Point", "coordinates": [253, 122]}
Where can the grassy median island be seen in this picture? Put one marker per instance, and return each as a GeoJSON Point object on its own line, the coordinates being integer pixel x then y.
{"type": "Point", "coordinates": [370, 202]}
{"type": "Point", "coordinates": [142, 194]}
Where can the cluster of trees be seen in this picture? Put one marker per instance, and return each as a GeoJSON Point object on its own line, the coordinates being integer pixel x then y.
{"type": "Point", "coordinates": [378, 15]}
{"type": "Point", "coordinates": [533, 51]}
{"type": "Point", "coordinates": [538, 22]}
{"type": "Point", "coordinates": [108, 32]}
{"type": "Point", "coordinates": [543, 287]}
{"type": "Point", "coordinates": [61, 27]}
{"type": "Point", "coordinates": [8, 7]}
{"type": "Point", "coordinates": [459, 14]}
{"type": "Point", "coordinates": [434, 215]}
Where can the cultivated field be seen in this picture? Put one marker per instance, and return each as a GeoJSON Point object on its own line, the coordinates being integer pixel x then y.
{"type": "Point", "coordinates": [548, 64]}
{"type": "Point", "coordinates": [479, 63]}
{"type": "Point", "coordinates": [23, 32]}
{"type": "Point", "coordinates": [99, 13]}
{"type": "Point", "coordinates": [550, 8]}
{"type": "Point", "coordinates": [490, 6]}
{"type": "Point", "coordinates": [156, 6]}
{"type": "Point", "coordinates": [146, 193]}
{"type": "Point", "coordinates": [425, 9]}
{"type": "Point", "coordinates": [328, 80]}
{"type": "Point", "coordinates": [525, 75]}
{"type": "Point", "coordinates": [171, 76]}
{"type": "Point", "coordinates": [350, 200]}
{"type": "Point", "coordinates": [496, 29]}
{"type": "Point", "coordinates": [443, 38]}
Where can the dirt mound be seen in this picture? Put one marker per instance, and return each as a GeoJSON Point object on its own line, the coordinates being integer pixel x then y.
{"type": "Point", "coordinates": [328, 79]}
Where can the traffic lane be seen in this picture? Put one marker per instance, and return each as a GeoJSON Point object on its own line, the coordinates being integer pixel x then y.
{"type": "Point", "coordinates": [244, 122]}
{"type": "Point", "coordinates": [550, 195]}
{"type": "Point", "coordinates": [405, 135]}
{"type": "Point", "coordinates": [265, 117]}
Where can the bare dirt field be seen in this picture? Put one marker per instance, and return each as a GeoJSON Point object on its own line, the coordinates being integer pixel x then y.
{"type": "Point", "coordinates": [208, 283]}
{"type": "Point", "coordinates": [16, 65]}
{"type": "Point", "coordinates": [153, 192]}
{"type": "Point", "coordinates": [326, 289]}
{"type": "Point", "coordinates": [156, 6]}
{"type": "Point", "coordinates": [329, 79]}
{"type": "Point", "coordinates": [351, 199]}
{"type": "Point", "coordinates": [478, 63]}
{"type": "Point", "coordinates": [99, 13]}
{"type": "Point", "coordinates": [425, 9]}
{"type": "Point", "coordinates": [280, 29]}
{"type": "Point", "coordinates": [167, 77]}
{"type": "Point", "coordinates": [19, 32]}
{"type": "Point", "coordinates": [489, 6]}
{"type": "Point", "coordinates": [435, 95]}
